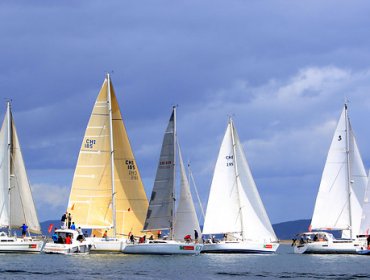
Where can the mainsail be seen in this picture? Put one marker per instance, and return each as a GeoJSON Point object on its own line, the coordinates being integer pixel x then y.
{"type": "Point", "coordinates": [100, 198]}
{"type": "Point", "coordinates": [17, 206]}
{"type": "Point", "coordinates": [162, 203]}
{"type": "Point", "coordinates": [342, 188]}
{"type": "Point", "coordinates": [234, 197]}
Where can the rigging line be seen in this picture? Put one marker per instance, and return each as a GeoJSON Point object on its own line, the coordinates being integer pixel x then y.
{"type": "Point", "coordinates": [196, 191]}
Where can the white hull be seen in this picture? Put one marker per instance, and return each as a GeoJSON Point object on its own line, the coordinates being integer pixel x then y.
{"type": "Point", "coordinates": [20, 245]}
{"type": "Point", "coordinates": [54, 248]}
{"type": "Point", "coordinates": [328, 247]}
{"type": "Point", "coordinates": [101, 245]}
{"type": "Point", "coordinates": [81, 246]}
{"type": "Point", "coordinates": [164, 248]}
{"type": "Point", "coordinates": [235, 247]}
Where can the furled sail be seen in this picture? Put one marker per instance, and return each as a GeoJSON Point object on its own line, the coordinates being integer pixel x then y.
{"type": "Point", "coordinates": [160, 212]}
{"type": "Point", "coordinates": [17, 206]}
{"type": "Point", "coordinates": [234, 197]}
{"type": "Point", "coordinates": [91, 194]}
{"type": "Point", "coordinates": [342, 188]}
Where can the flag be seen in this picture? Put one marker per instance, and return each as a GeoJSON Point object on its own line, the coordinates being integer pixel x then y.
{"type": "Point", "coordinates": [50, 228]}
{"type": "Point", "coordinates": [73, 206]}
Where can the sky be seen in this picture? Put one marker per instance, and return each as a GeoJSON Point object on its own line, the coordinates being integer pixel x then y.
{"type": "Point", "coordinates": [281, 69]}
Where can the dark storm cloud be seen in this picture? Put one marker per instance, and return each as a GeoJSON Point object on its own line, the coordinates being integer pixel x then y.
{"type": "Point", "coordinates": [282, 68]}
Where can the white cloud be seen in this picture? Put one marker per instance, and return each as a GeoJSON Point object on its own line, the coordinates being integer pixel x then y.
{"type": "Point", "coordinates": [50, 200]}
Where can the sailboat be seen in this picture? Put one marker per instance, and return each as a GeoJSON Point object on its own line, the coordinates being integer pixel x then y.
{"type": "Point", "coordinates": [17, 206]}
{"type": "Point", "coordinates": [339, 200]}
{"type": "Point", "coordinates": [161, 213]}
{"type": "Point", "coordinates": [234, 207]}
{"type": "Point", "coordinates": [107, 192]}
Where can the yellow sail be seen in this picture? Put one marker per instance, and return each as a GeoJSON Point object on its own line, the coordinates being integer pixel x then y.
{"type": "Point", "coordinates": [90, 201]}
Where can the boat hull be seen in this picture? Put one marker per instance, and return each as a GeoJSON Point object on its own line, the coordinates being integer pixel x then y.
{"type": "Point", "coordinates": [102, 245]}
{"type": "Point", "coordinates": [165, 248]}
{"type": "Point", "coordinates": [363, 251]}
{"type": "Point", "coordinates": [65, 249]}
{"type": "Point", "coordinates": [225, 247]}
{"type": "Point", "coordinates": [20, 245]}
{"type": "Point", "coordinates": [327, 247]}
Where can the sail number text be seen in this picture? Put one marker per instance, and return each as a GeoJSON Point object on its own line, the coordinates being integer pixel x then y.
{"type": "Point", "coordinates": [89, 143]}
{"type": "Point", "coordinates": [130, 164]}
{"type": "Point", "coordinates": [229, 161]}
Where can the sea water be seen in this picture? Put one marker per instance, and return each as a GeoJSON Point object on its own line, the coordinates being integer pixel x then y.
{"type": "Point", "coordinates": [282, 265]}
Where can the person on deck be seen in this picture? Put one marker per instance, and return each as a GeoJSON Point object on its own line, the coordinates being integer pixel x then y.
{"type": "Point", "coordinates": [69, 219]}
{"type": "Point", "coordinates": [73, 226]}
{"type": "Point", "coordinates": [196, 235]}
{"type": "Point", "coordinates": [187, 238]}
{"type": "Point", "coordinates": [132, 238]}
{"type": "Point", "coordinates": [24, 228]}
{"type": "Point", "coordinates": [105, 235]}
{"type": "Point", "coordinates": [63, 220]}
{"type": "Point", "coordinates": [55, 236]}
{"type": "Point", "coordinates": [68, 239]}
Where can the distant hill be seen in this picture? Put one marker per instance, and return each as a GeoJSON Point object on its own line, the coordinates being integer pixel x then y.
{"type": "Point", "coordinates": [286, 230]}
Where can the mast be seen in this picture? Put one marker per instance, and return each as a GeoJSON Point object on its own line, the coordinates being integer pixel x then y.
{"type": "Point", "coordinates": [174, 174]}
{"type": "Point", "coordinates": [236, 175]}
{"type": "Point", "coordinates": [111, 155]}
{"type": "Point", "coordinates": [349, 181]}
{"type": "Point", "coordinates": [9, 163]}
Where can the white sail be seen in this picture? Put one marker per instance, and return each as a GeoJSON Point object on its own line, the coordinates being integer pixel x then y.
{"type": "Point", "coordinates": [222, 214]}
{"type": "Point", "coordinates": [160, 212]}
{"type": "Point", "coordinates": [17, 204]}
{"type": "Point", "coordinates": [256, 223]}
{"type": "Point", "coordinates": [186, 220]}
{"type": "Point", "coordinates": [339, 200]}
{"type": "Point", "coordinates": [4, 173]}
{"type": "Point", "coordinates": [365, 218]}
{"type": "Point", "coordinates": [234, 205]}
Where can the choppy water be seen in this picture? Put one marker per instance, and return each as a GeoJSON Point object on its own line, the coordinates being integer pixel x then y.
{"type": "Point", "coordinates": [283, 265]}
